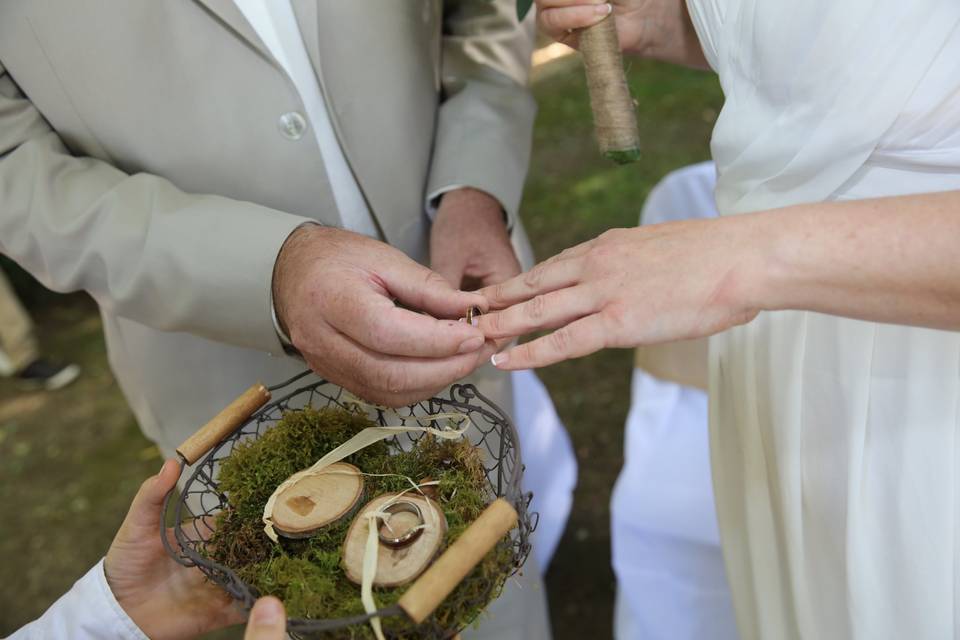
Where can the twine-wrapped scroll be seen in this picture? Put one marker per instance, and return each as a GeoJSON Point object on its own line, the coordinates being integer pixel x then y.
{"type": "Point", "coordinates": [614, 114]}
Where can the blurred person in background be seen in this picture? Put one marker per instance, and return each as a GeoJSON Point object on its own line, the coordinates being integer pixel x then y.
{"type": "Point", "coordinates": [671, 584]}
{"type": "Point", "coordinates": [20, 357]}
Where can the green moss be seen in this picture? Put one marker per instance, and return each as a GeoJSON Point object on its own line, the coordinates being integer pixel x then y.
{"type": "Point", "coordinates": [306, 574]}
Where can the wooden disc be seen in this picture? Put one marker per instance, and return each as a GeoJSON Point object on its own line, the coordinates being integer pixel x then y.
{"type": "Point", "coordinates": [395, 566]}
{"type": "Point", "coordinates": [315, 501]}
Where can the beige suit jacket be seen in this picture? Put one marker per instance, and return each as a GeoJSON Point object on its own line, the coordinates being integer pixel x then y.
{"type": "Point", "coordinates": [141, 160]}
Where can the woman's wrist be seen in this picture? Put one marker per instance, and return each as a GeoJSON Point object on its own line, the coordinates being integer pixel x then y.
{"type": "Point", "coordinates": [763, 268]}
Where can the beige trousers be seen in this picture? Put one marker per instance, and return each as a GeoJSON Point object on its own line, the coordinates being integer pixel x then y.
{"type": "Point", "coordinates": [18, 347]}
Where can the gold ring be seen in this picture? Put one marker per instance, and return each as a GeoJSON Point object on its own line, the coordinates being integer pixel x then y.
{"type": "Point", "coordinates": [408, 536]}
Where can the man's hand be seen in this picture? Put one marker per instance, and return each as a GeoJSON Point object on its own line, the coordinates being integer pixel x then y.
{"type": "Point", "coordinates": [469, 243]}
{"type": "Point", "coordinates": [335, 294]}
{"type": "Point", "coordinates": [164, 599]}
{"type": "Point", "coordinates": [658, 29]}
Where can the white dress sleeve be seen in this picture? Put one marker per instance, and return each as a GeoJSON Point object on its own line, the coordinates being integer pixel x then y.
{"type": "Point", "coordinates": [87, 612]}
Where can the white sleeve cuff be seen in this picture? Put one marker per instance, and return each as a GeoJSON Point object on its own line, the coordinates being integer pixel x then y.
{"type": "Point", "coordinates": [88, 611]}
{"type": "Point", "coordinates": [433, 199]}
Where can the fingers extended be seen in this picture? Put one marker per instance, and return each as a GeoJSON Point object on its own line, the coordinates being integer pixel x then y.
{"type": "Point", "coordinates": [420, 288]}
{"type": "Point", "coordinates": [580, 338]}
{"type": "Point", "coordinates": [545, 311]}
{"type": "Point", "coordinates": [543, 278]}
{"type": "Point", "coordinates": [382, 327]}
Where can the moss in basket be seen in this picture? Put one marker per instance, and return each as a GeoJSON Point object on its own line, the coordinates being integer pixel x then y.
{"type": "Point", "coordinates": [306, 574]}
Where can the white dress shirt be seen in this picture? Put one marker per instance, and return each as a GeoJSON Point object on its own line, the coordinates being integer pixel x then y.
{"type": "Point", "coordinates": [276, 24]}
{"type": "Point", "coordinates": [88, 611]}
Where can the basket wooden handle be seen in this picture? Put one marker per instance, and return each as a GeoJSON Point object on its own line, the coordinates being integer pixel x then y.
{"type": "Point", "coordinates": [224, 423]}
{"type": "Point", "coordinates": [458, 560]}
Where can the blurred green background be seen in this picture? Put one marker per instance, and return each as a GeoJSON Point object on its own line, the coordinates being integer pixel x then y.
{"type": "Point", "coordinates": [73, 459]}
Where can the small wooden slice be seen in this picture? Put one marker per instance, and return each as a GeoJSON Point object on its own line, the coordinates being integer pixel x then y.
{"type": "Point", "coordinates": [317, 500]}
{"type": "Point", "coordinates": [395, 566]}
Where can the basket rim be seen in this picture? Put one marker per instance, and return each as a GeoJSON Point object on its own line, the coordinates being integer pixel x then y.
{"type": "Point", "coordinates": [509, 488]}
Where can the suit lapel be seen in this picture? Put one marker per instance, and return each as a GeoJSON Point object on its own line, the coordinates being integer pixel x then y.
{"type": "Point", "coordinates": [229, 13]}
{"type": "Point", "coordinates": [359, 69]}
{"type": "Point", "coordinates": [308, 20]}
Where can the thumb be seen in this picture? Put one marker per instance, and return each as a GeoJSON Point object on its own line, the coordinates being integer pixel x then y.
{"type": "Point", "coordinates": [421, 289]}
{"type": "Point", "coordinates": [148, 503]}
{"type": "Point", "coordinates": [268, 620]}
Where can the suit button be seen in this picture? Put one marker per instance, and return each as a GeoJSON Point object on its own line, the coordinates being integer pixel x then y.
{"type": "Point", "coordinates": [292, 125]}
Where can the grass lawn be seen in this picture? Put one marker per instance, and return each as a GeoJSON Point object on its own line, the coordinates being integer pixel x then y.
{"type": "Point", "coordinates": [72, 460]}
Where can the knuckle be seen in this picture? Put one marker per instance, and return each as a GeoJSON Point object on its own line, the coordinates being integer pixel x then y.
{"type": "Point", "coordinates": [499, 292]}
{"type": "Point", "coordinates": [527, 352]}
{"type": "Point", "coordinates": [534, 277]}
{"type": "Point", "coordinates": [561, 340]}
{"type": "Point", "coordinates": [392, 380]}
{"type": "Point", "coordinates": [434, 279]}
{"type": "Point", "coordinates": [356, 365]}
{"type": "Point", "coordinates": [548, 20]}
{"type": "Point", "coordinates": [536, 308]}
{"type": "Point", "coordinates": [463, 371]}
{"type": "Point", "coordinates": [617, 324]}
{"type": "Point", "coordinates": [379, 334]}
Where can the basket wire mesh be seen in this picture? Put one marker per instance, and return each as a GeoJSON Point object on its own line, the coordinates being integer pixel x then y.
{"type": "Point", "coordinates": [200, 499]}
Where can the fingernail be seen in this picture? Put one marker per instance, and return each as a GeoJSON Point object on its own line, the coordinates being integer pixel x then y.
{"type": "Point", "coordinates": [471, 345]}
{"type": "Point", "coordinates": [267, 612]}
{"type": "Point", "coordinates": [475, 321]}
{"type": "Point", "coordinates": [499, 359]}
{"type": "Point", "coordinates": [603, 9]}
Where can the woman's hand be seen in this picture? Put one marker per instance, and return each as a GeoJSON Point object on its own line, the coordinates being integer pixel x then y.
{"type": "Point", "coordinates": [164, 599]}
{"type": "Point", "coordinates": [630, 287]}
{"type": "Point", "coordinates": [658, 29]}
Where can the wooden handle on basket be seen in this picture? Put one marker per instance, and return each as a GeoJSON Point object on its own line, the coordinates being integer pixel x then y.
{"type": "Point", "coordinates": [224, 423]}
{"type": "Point", "coordinates": [458, 560]}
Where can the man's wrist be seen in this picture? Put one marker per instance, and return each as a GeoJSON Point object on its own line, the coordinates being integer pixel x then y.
{"type": "Point", "coordinates": [277, 310]}
{"type": "Point", "coordinates": [472, 200]}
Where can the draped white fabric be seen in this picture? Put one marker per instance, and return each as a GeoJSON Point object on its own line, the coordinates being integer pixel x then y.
{"type": "Point", "coordinates": [664, 541]}
{"type": "Point", "coordinates": [836, 442]}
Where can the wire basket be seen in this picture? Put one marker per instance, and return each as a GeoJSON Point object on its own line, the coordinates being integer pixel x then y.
{"type": "Point", "coordinates": [201, 499]}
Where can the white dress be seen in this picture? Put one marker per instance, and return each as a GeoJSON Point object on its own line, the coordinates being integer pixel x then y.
{"type": "Point", "coordinates": [671, 583]}
{"type": "Point", "coordinates": [835, 442]}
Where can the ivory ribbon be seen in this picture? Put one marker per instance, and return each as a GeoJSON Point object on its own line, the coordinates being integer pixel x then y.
{"type": "Point", "coordinates": [360, 441]}
{"type": "Point", "coordinates": [371, 555]}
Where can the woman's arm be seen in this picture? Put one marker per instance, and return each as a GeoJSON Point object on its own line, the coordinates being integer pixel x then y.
{"type": "Point", "coordinates": [656, 29]}
{"type": "Point", "coordinates": [894, 260]}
